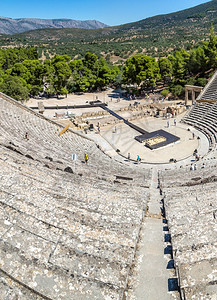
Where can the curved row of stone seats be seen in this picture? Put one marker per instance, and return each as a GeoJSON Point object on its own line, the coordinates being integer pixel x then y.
{"type": "Point", "coordinates": [199, 109]}
{"type": "Point", "coordinates": [206, 130]}
{"type": "Point", "coordinates": [191, 213]}
{"type": "Point", "coordinates": [44, 141]}
{"type": "Point", "coordinates": [210, 91]}
{"type": "Point", "coordinates": [18, 121]}
{"type": "Point", "coordinates": [61, 236]}
{"type": "Point", "coordinates": [204, 118]}
{"type": "Point", "coordinates": [205, 171]}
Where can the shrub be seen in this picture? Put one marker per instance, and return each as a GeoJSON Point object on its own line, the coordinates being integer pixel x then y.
{"type": "Point", "coordinates": [165, 93]}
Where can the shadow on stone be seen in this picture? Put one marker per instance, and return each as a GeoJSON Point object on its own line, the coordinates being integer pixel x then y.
{"type": "Point", "coordinates": [170, 264]}
{"type": "Point", "coordinates": [168, 250]}
{"type": "Point", "coordinates": [49, 158]}
{"type": "Point", "coordinates": [167, 238]}
{"type": "Point", "coordinates": [68, 169]}
{"type": "Point", "coordinates": [162, 212]}
{"type": "Point", "coordinates": [173, 284]}
{"type": "Point", "coordinates": [165, 228]}
{"type": "Point", "coordinates": [29, 156]}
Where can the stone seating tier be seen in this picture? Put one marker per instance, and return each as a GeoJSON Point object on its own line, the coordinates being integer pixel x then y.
{"type": "Point", "coordinates": [45, 142]}
{"type": "Point", "coordinates": [64, 233]}
{"type": "Point", "coordinates": [204, 118]}
{"type": "Point", "coordinates": [56, 235]}
{"type": "Point", "coordinates": [191, 210]}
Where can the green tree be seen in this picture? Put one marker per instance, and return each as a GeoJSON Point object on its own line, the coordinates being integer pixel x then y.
{"type": "Point", "coordinates": [90, 61]}
{"type": "Point", "coordinates": [104, 76]}
{"type": "Point", "coordinates": [178, 90]}
{"type": "Point", "coordinates": [61, 58]}
{"type": "Point", "coordinates": [141, 70]}
{"type": "Point", "coordinates": [15, 87]}
{"type": "Point", "coordinates": [62, 73]}
{"type": "Point", "coordinates": [48, 78]}
{"type": "Point", "coordinates": [165, 93]}
{"type": "Point", "coordinates": [165, 66]}
{"type": "Point", "coordinates": [197, 61]}
{"type": "Point", "coordinates": [64, 91]}
{"type": "Point", "coordinates": [19, 70]}
{"type": "Point", "coordinates": [117, 76]}
{"type": "Point", "coordinates": [180, 66]}
{"type": "Point", "coordinates": [35, 76]}
{"type": "Point", "coordinates": [90, 73]}
{"type": "Point", "coordinates": [201, 81]}
{"type": "Point", "coordinates": [82, 79]}
{"type": "Point", "coordinates": [210, 49]}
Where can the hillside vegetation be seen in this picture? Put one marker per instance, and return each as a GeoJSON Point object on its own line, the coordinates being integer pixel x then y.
{"type": "Point", "coordinates": [156, 36]}
{"type": "Point", "coordinates": [23, 74]}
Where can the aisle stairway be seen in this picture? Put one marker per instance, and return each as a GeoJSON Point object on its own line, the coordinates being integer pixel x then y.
{"type": "Point", "coordinates": [151, 275]}
{"type": "Point", "coordinates": [100, 231]}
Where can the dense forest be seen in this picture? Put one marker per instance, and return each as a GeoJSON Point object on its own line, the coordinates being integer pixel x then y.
{"type": "Point", "coordinates": [24, 75]}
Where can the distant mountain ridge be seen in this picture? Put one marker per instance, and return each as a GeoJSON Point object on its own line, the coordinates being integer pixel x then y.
{"type": "Point", "coordinates": [12, 26]}
{"type": "Point", "coordinates": [155, 36]}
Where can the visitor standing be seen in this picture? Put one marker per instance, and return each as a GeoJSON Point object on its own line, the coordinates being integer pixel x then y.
{"type": "Point", "coordinates": [192, 167]}
{"type": "Point", "coordinates": [26, 136]}
{"type": "Point", "coordinates": [86, 158]}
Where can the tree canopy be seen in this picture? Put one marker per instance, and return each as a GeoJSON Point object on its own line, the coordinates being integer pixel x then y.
{"type": "Point", "coordinates": [23, 75]}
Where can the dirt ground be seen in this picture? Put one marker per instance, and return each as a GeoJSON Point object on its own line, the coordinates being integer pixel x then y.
{"type": "Point", "coordinates": [120, 136]}
{"type": "Point", "coordinates": [112, 97]}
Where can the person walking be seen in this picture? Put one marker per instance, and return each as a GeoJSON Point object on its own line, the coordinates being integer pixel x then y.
{"type": "Point", "coordinates": [138, 159]}
{"type": "Point", "coordinates": [86, 158]}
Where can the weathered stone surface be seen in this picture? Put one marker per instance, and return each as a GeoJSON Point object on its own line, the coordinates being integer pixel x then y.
{"type": "Point", "coordinates": [63, 236]}
{"type": "Point", "coordinates": [66, 236]}
{"type": "Point", "coordinates": [191, 213]}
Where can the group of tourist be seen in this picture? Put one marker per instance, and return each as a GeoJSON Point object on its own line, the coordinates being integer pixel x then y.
{"type": "Point", "coordinates": [193, 167]}
{"type": "Point", "coordinates": [197, 158]}
{"type": "Point", "coordinates": [168, 123]}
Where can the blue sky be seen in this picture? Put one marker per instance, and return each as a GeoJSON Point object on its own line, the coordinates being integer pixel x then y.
{"type": "Point", "coordinates": [112, 12]}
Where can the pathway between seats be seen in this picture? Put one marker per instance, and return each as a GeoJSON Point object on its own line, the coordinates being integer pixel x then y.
{"type": "Point", "coordinates": [150, 275]}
